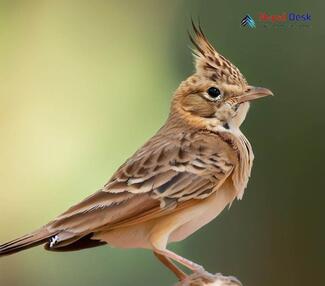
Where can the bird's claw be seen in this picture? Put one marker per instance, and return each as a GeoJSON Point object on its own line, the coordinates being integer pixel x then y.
{"type": "Point", "coordinates": [199, 269]}
{"type": "Point", "coordinates": [203, 278]}
{"type": "Point", "coordinates": [227, 280]}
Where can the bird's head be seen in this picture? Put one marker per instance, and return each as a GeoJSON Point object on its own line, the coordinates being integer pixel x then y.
{"type": "Point", "coordinates": [217, 93]}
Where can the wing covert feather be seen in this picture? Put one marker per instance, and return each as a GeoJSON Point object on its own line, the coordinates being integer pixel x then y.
{"type": "Point", "coordinates": [160, 176]}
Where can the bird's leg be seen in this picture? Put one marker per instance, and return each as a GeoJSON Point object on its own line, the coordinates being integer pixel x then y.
{"type": "Point", "coordinates": [187, 263]}
{"type": "Point", "coordinates": [167, 262]}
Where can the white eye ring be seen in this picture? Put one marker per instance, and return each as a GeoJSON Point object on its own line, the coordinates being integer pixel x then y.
{"type": "Point", "coordinates": [214, 99]}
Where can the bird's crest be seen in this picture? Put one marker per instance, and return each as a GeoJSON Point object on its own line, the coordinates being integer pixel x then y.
{"type": "Point", "coordinates": [212, 64]}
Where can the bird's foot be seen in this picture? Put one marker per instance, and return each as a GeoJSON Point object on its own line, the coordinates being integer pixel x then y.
{"type": "Point", "coordinates": [204, 278]}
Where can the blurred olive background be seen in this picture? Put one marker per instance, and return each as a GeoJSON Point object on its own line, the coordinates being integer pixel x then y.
{"type": "Point", "coordinates": [85, 83]}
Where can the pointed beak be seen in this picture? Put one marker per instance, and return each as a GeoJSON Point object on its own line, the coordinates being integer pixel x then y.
{"type": "Point", "coordinates": [253, 93]}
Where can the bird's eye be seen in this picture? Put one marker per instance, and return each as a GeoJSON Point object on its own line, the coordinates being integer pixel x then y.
{"type": "Point", "coordinates": [214, 92]}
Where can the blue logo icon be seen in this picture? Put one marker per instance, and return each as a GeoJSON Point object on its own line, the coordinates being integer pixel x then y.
{"type": "Point", "coordinates": [248, 21]}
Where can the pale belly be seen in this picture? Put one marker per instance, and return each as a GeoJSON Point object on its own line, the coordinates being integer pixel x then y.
{"type": "Point", "coordinates": [170, 228]}
{"type": "Point", "coordinates": [211, 210]}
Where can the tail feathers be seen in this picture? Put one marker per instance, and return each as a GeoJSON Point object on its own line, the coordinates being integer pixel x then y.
{"type": "Point", "coordinates": [27, 241]}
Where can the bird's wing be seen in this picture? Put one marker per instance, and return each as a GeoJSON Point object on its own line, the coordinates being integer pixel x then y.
{"type": "Point", "coordinates": [163, 175]}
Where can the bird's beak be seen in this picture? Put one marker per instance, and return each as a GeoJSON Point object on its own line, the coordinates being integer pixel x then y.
{"type": "Point", "coordinates": [253, 93]}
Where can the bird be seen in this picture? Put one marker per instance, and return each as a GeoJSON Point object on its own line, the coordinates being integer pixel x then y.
{"type": "Point", "coordinates": [196, 164]}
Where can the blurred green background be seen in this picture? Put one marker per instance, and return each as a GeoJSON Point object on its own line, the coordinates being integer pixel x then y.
{"type": "Point", "coordinates": [85, 83]}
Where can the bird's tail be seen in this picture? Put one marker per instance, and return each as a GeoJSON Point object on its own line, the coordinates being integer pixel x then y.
{"type": "Point", "coordinates": [37, 237]}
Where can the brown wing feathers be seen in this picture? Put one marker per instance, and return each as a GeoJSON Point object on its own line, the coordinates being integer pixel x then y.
{"type": "Point", "coordinates": [154, 182]}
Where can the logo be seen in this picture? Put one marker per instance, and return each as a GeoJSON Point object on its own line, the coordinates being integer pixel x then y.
{"type": "Point", "coordinates": [280, 20]}
{"type": "Point", "coordinates": [248, 21]}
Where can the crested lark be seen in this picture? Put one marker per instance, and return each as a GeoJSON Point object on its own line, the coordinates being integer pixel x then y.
{"type": "Point", "coordinates": [178, 181]}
